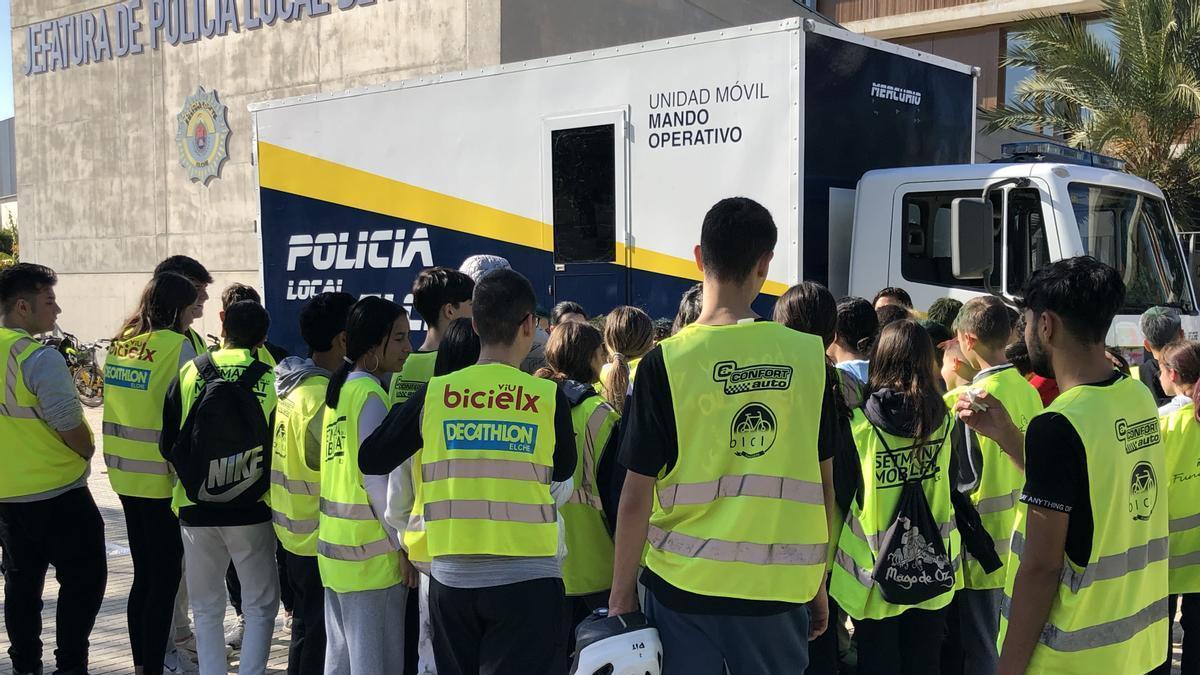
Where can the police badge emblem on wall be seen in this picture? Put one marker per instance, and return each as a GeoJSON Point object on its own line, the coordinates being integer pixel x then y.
{"type": "Point", "coordinates": [202, 135]}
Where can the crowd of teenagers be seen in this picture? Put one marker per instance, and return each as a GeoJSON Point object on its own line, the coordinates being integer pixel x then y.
{"type": "Point", "coordinates": [847, 486]}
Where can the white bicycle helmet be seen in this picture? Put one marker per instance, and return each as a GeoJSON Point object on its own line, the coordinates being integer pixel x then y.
{"type": "Point", "coordinates": [617, 645]}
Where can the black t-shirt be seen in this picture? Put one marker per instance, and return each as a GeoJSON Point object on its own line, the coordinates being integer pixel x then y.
{"type": "Point", "coordinates": [1056, 476]}
{"type": "Point", "coordinates": [650, 447]}
{"type": "Point", "coordinates": [398, 437]}
{"type": "Point", "coordinates": [1148, 373]}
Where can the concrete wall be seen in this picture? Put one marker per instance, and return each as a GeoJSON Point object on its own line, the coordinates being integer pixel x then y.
{"type": "Point", "coordinates": [103, 197]}
{"type": "Point", "coordinates": [8, 160]}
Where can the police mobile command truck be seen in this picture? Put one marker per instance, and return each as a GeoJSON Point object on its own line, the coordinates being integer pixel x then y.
{"type": "Point", "coordinates": [591, 173]}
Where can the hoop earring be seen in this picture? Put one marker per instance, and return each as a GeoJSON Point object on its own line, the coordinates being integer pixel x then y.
{"type": "Point", "coordinates": [376, 368]}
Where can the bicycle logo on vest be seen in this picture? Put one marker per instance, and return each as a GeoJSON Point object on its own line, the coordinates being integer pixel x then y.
{"type": "Point", "coordinates": [753, 430]}
{"type": "Point", "coordinates": [1143, 491]}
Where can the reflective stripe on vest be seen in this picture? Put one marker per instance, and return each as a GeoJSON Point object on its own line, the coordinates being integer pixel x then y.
{"type": "Point", "coordinates": [583, 491]}
{"type": "Point", "coordinates": [581, 496]}
{"type": "Point", "coordinates": [481, 509]}
{"type": "Point", "coordinates": [772, 487]}
{"type": "Point", "coordinates": [10, 407]}
{"type": "Point", "coordinates": [997, 504]}
{"type": "Point", "coordinates": [736, 551]}
{"type": "Point", "coordinates": [1184, 524]}
{"type": "Point", "coordinates": [131, 433]}
{"type": "Point", "coordinates": [486, 468]}
{"type": "Point", "coordinates": [1110, 566]}
{"type": "Point", "coordinates": [1101, 635]}
{"type": "Point", "coordinates": [296, 487]}
{"type": "Point", "coordinates": [347, 511]}
{"type": "Point", "coordinates": [355, 553]}
{"type": "Point", "coordinates": [294, 526]}
{"type": "Point", "coordinates": [137, 465]}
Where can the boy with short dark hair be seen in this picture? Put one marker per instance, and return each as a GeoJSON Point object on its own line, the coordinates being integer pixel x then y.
{"type": "Point", "coordinates": [1097, 443]}
{"type": "Point", "coordinates": [893, 295]}
{"type": "Point", "coordinates": [215, 535]}
{"type": "Point", "coordinates": [47, 514]}
{"type": "Point", "coordinates": [198, 275]}
{"type": "Point", "coordinates": [731, 573]}
{"type": "Point", "coordinates": [300, 385]}
{"type": "Point", "coordinates": [268, 353]}
{"type": "Point", "coordinates": [440, 295]}
{"type": "Point", "coordinates": [492, 439]}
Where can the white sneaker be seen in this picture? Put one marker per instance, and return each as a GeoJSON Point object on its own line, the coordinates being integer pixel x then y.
{"type": "Point", "coordinates": [233, 636]}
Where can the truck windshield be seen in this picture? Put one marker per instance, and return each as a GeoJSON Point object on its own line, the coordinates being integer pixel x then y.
{"type": "Point", "coordinates": [1131, 232]}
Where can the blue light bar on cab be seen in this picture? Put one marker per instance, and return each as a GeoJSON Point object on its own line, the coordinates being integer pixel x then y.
{"type": "Point", "coordinates": [1045, 151]}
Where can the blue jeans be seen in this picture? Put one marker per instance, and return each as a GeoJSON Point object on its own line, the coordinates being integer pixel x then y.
{"type": "Point", "coordinates": [705, 644]}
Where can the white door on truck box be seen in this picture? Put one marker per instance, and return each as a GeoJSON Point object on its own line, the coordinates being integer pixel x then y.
{"type": "Point", "coordinates": [921, 252]}
{"type": "Point", "coordinates": [585, 200]}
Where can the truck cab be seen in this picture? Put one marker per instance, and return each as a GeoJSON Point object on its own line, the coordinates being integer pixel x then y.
{"type": "Point", "coordinates": [1045, 202]}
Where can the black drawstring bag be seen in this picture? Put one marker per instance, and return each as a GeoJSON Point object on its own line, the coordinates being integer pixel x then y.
{"type": "Point", "coordinates": [913, 565]}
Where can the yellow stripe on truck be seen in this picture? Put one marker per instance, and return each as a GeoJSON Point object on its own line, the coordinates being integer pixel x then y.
{"type": "Point", "coordinates": [297, 173]}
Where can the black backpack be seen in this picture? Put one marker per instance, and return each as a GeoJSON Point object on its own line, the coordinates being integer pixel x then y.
{"type": "Point", "coordinates": [222, 453]}
{"type": "Point", "coordinates": [913, 565]}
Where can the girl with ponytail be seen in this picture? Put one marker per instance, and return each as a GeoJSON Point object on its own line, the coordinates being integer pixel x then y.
{"type": "Point", "coordinates": [628, 335]}
{"type": "Point", "coordinates": [363, 567]}
{"type": "Point", "coordinates": [574, 357]}
{"type": "Point", "coordinates": [1180, 377]}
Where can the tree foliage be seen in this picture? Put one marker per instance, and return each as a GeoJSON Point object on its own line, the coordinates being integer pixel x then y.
{"type": "Point", "coordinates": [1141, 104]}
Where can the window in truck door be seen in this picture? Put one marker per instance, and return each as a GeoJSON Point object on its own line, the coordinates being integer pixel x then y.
{"type": "Point", "coordinates": [926, 255]}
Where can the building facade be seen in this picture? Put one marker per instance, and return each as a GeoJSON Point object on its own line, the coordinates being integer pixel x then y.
{"type": "Point", "coordinates": [969, 31]}
{"type": "Point", "coordinates": [133, 138]}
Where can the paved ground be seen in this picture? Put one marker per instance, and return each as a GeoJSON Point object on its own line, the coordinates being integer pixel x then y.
{"type": "Point", "coordinates": [110, 645]}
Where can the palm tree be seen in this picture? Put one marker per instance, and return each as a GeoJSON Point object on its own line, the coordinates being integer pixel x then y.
{"type": "Point", "coordinates": [1140, 103]}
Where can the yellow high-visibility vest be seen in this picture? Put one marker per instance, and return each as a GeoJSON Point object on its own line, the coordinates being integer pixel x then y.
{"type": "Point", "coordinates": [487, 463]}
{"type": "Point", "coordinates": [588, 567]}
{"type": "Point", "coordinates": [1181, 446]}
{"type": "Point", "coordinates": [138, 372]}
{"type": "Point", "coordinates": [742, 512]}
{"type": "Point", "coordinates": [34, 456]}
{"type": "Point", "coordinates": [1000, 483]}
{"type": "Point", "coordinates": [295, 488]}
{"type": "Point", "coordinates": [354, 552]}
{"type": "Point", "coordinates": [883, 471]}
{"type": "Point", "coordinates": [1109, 616]}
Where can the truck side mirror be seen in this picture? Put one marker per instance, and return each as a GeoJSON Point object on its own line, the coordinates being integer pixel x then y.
{"type": "Point", "coordinates": [971, 240]}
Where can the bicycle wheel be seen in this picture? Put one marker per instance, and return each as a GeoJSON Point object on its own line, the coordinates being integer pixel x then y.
{"type": "Point", "coordinates": [89, 382]}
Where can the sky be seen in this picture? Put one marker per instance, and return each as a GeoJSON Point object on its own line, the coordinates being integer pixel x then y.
{"type": "Point", "coordinates": [6, 83]}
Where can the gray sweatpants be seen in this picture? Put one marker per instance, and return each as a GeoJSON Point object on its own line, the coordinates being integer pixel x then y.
{"type": "Point", "coordinates": [364, 631]}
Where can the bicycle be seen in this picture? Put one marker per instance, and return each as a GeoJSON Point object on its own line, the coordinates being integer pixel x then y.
{"type": "Point", "coordinates": [86, 371]}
